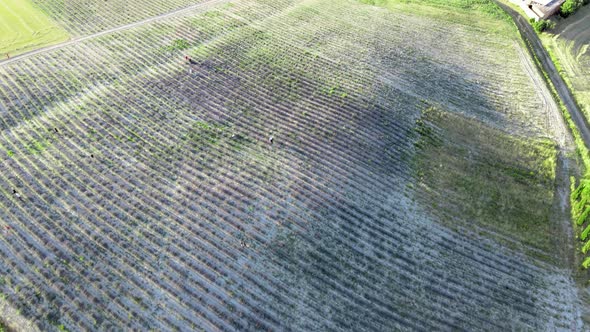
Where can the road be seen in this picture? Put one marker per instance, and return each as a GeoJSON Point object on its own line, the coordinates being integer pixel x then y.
{"type": "Point", "coordinates": [204, 4]}
{"type": "Point", "coordinates": [535, 46]}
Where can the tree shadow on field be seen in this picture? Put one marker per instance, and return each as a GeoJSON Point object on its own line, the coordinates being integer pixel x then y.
{"type": "Point", "coordinates": [438, 84]}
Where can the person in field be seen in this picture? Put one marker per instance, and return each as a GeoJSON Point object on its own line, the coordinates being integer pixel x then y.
{"type": "Point", "coordinates": [16, 194]}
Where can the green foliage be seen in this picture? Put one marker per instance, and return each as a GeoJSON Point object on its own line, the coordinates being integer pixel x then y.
{"type": "Point", "coordinates": [178, 45]}
{"type": "Point", "coordinates": [334, 89]}
{"type": "Point", "coordinates": [542, 25]}
{"type": "Point", "coordinates": [580, 202]}
{"type": "Point", "coordinates": [204, 133]}
{"type": "Point", "coordinates": [212, 13]}
{"type": "Point", "coordinates": [571, 6]}
{"type": "Point", "coordinates": [583, 216]}
{"type": "Point", "coordinates": [584, 234]}
{"type": "Point", "coordinates": [37, 146]}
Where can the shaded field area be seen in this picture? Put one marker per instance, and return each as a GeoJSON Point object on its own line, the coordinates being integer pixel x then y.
{"type": "Point", "coordinates": [143, 191]}
{"type": "Point", "coordinates": [24, 27]}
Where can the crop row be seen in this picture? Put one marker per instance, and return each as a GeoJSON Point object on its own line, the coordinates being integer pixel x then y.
{"type": "Point", "coordinates": [85, 17]}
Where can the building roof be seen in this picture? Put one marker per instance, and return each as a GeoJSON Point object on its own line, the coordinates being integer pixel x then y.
{"type": "Point", "coordinates": [549, 8]}
{"type": "Point", "coordinates": [540, 9]}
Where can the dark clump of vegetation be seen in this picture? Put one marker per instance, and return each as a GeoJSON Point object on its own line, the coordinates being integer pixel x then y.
{"type": "Point", "coordinates": [542, 25]}
{"type": "Point", "coordinates": [569, 7]}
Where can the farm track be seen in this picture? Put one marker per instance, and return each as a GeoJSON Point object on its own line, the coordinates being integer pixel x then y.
{"type": "Point", "coordinates": [166, 229]}
{"type": "Point", "coordinates": [202, 5]}
{"type": "Point", "coordinates": [535, 46]}
{"type": "Point", "coordinates": [537, 49]}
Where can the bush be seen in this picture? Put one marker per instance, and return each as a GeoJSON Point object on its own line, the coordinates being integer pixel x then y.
{"type": "Point", "coordinates": [542, 25]}
{"type": "Point", "coordinates": [571, 6]}
{"type": "Point", "coordinates": [177, 45]}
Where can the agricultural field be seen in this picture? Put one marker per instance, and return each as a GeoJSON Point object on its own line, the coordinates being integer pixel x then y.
{"type": "Point", "coordinates": [315, 165]}
{"type": "Point", "coordinates": [24, 27]}
{"type": "Point", "coordinates": [83, 17]}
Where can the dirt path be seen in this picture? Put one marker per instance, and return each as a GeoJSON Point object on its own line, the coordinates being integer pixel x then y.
{"type": "Point", "coordinates": [173, 13]}
{"type": "Point", "coordinates": [536, 47]}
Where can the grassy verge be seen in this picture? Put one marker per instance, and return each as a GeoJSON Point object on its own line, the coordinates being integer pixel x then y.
{"type": "Point", "coordinates": [23, 28]}
{"type": "Point", "coordinates": [556, 49]}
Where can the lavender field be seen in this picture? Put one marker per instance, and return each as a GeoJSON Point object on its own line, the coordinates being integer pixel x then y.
{"type": "Point", "coordinates": [285, 165]}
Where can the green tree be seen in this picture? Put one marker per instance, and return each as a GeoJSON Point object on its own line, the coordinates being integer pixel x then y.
{"type": "Point", "coordinates": [571, 6]}
{"type": "Point", "coordinates": [542, 25]}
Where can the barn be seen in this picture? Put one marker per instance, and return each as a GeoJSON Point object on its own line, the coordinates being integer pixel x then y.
{"type": "Point", "coordinates": [539, 9]}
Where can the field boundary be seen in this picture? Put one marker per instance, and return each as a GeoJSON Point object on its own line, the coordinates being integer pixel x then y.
{"type": "Point", "coordinates": [577, 122]}
{"type": "Point", "coordinates": [74, 41]}
{"type": "Point", "coordinates": [538, 51]}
